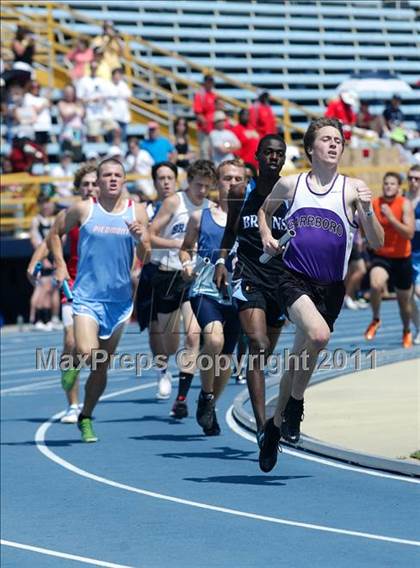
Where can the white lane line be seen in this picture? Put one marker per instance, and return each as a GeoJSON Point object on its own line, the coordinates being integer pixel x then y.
{"type": "Point", "coordinates": [50, 552]}
{"type": "Point", "coordinates": [30, 386]}
{"type": "Point", "coordinates": [235, 427]}
{"type": "Point", "coordinates": [42, 447]}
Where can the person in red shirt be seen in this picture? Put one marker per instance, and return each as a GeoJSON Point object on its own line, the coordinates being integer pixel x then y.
{"type": "Point", "coordinates": [204, 109]}
{"type": "Point", "coordinates": [261, 116]}
{"type": "Point", "coordinates": [343, 110]}
{"type": "Point", "coordinates": [392, 262]}
{"type": "Point", "coordinates": [248, 137]}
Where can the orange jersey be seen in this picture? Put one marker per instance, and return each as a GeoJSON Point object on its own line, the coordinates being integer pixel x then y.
{"type": "Point", "coordinates": [395, 245]}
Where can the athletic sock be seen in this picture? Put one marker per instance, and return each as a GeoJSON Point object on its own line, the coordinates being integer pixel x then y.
{"type": "Point", "coordinates": [185, 380]}
{"type": "Point", "coordinates": [206, 395]}
{"type": "Point", "coordinates": [82, 416]}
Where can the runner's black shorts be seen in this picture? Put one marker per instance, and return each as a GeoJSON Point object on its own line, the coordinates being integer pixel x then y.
{"type": "Point", "coordinates": [170, 291]}
{"type": "Point", "coordinates": [328, 298]}
{"type": "Point", "coordinates": [145, 295]}
{"type": "Point", "coordinates": [249, 295]}
{"type": "Point", "coordinates": [400, 270]}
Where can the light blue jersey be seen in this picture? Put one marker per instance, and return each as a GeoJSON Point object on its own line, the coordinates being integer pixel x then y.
{"type": "Point", "coordinates": [209, 241]}
{"type": "Point", "coordinates": [106, 254]}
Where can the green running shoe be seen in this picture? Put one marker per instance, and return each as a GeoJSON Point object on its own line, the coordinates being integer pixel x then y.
{"type": "Point", "coordinates": [68, 378]}
{"type": "Point", "coordinates": [85, 426]}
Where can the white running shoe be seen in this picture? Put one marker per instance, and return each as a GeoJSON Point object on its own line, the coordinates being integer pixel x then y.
{"type": "Point", "coordinates": [416, 339]}
{"type": "Point", "coordinates": [164, 386]}
{"type": "Point", "coordinates": [41, 326]}
{"type": "Point", "coordinates": [56, 323]}
{"type": "Point", "coordinates": [71, 415]}
{"type": "Point", "coordinates": [350, 303]}
{"type": "Point", "coordinates": [361, 302]}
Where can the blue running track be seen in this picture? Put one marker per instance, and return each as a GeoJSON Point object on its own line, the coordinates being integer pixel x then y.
{"type": "Point", "coordinates": [156, 493]}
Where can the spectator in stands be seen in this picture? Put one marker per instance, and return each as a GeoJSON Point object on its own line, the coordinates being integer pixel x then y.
{"type": "Point", "coordinates": [104, 71]}
{"type": "Point", "coordinates": [71, 113]}
{"type": "Point", "coordinates": [120, 94]}
{"type": "Point", "coordinates": [223, 142]}
{"type": "Point", "coordinates": [393, 115]}
{"type": "Point", "coordinates": [79, 59]}
{"type": "Point", "coordinates": [92, 158]}
{"type": "Point", "coordinates": [184, 156]}
{"type": "Point", "coordinates": [24, 116]}
{"type": "Point", "coordinates": [64, 169]}
{"type": "Point", "coordinates": [25, 154]}
{"type": "Point", "coordinates": [158, 146]}
{"type": "Point", "coordinates": [95, 92]}
{"type": "Point", "coordinates": [41, 106]}
{"type": "Point", "coordinates": [204, 109]}
{"type": "Point", "coordinates": [368, 121]}
{"type": "Point", "coordinates": [248, 137]}
{"type": "Point", "coordinates": [342, 109]}
{"type": "Point", "coordinates": [220, 105]}
{"type": "Point", "coordinates": [139, 161]}
{"type": "Point", "coordinates": [23, 48]}
{"type": "Point", "coordinates": [261, 116]}
{"type": "Point", "coordinates": [45, 300]}
{"type": "Point", "coordinates": [111, 45]}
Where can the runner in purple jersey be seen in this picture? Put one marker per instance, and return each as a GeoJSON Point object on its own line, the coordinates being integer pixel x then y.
{"type": "Point", "coordinates": [314, 264]}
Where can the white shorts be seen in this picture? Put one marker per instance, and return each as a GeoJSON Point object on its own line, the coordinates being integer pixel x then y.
{"type": "Point", "coordinates": [67, 314]}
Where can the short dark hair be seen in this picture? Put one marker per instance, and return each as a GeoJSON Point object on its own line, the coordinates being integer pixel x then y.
{"type": "Point", "coordinates": [109, 161]}
{"type": "Point", "coordinates": [166, 164]}
{"type": "Point", "coordinates": [204, 168]}
{"type": "Point", "coordinates": [317, 124]}
{"type": "Point", "coordinates": [80, 174]}
{"type": "Point", "coordinates": [414, 168]}
{"type": "Point", "coordinates": [267, 138]}
{"type": "Point", "coordinates": [208, 77]}
{"type": "Point", "coordinates": [394, 175]}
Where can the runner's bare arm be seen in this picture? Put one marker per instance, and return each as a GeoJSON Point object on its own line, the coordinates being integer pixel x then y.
{"type": "Point", "coordinates": [372, 229]}
{"type": "Point", "coordinates": [188, 245]}
{"type": "Point", "coordinates": [282, 191]}
{"type": "Point", "coordinates": [162, 218]}
{"type": "Point", "coordinates": [235, 201]}
{"type": "Point", "coordinates": [73, 217]}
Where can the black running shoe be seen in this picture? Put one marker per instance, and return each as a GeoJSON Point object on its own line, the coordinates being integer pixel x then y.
{"type": "Point", "coordinates": [205, 412]}
{"type": "Point", "coordinates": [269, 446]}
{"type": "Point", "coordinates": [215, 429]}
{"type": "Point", "coordinates": [292, 417]}
{"type": "Point", "coordinates": [180, 408]}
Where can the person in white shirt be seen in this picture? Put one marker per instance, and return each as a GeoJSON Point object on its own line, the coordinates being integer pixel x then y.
{"type": "Point", "coordinates": [120, 94]}
{"type": "Point", "coordinates": [95, 92]}
{"type": "Point", "coordinates": [223, 142]}
{"type": "Point", "coordinates": [62, 170]}
{"type": "Point", "coordinates": [140, 162]}
{"type": "Point", "coordinates": [41, 107]}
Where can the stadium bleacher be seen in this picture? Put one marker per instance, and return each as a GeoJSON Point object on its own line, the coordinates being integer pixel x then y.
{"type": "Point", "coordinates": [299, 51]}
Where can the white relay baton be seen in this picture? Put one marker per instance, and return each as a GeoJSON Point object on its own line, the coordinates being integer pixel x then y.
{"type": "Point", "coordinates": [289, 234]}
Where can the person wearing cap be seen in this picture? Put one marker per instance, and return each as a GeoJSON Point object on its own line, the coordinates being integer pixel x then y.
{"type": "Point", "coordinates": [92, 158]}
{"type": "Point", "coordinates": [204, 108]}
{"type": "Point", "coordinates": [342, 109]}
{"type": "Point", "coordinates": [223, 142]}
{"type": "Point", "coordinates": [158, 146]}
{"type": "Point", "coordinates": [261, 116]}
